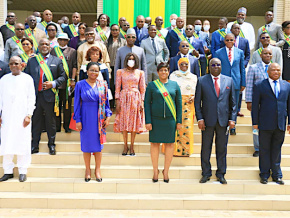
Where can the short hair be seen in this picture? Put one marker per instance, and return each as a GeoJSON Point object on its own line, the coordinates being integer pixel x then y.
{"type": "Point", "coordinates": [91, 50]}
{"type": "Point", "coordinates": [83, 24]}
{"type": "Point", "coordinates": [51, 24]}
{"type": "Point", "coordinates": [285, 24]}
{"type": "Point", "coordinates": [89, 29]}
{"type": "Point", "coordinates": [136, 66]}
{"type": "Point", "coordinates": [91, 64]}
{"type": "Point", "coordinates": [108, 19]}
{"type": "Point", "coordinates": [162, 65]}
{"type": "Point", "coordinates": [151, 26]}
{"type": "Point", "coordinates": [27, 39]}
{"type": "Point", "coordinates": [263, 33]}
{"type": "Point", "coordinates": [225, 19]}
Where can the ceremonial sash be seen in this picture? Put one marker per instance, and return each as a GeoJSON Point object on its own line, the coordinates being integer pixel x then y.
{"type": "Point", "coordinates": [73, 30]}
{"type": "Point", "coordinates": [101, 33]}
{"type": "Point", "coordinates": [159, 34]}
{"type": "Point", "coordinates": [222, 33]}
{"type": "Point", "coordinates": [24, 57]}
{"type": "Point", "coordinates": [124, 34]}
{"type": "Point", "coordinates": [12, 28]}
{"type": "Point", "coordinates": [66, 69]}
{"type": "Point", "coordinates": [264, 30]}
{"type": "Point", "coordinates": [195, 35]}
{"type": "Point", "coordinates": [166, 96]}
{"type": "Point", "coordinates": [241, 31]}
{"type": "Point", "coordinates": [182, 37]}
{"type": "Point", "coordinates": [31, 36]}
{"type": "Point", "coordinates": [44, 23]}
{"type": "Point", "coordinates": [18, 42]}
{"type": "Point", "coordinates": [287, 39]}
{"type": "Point", "coordinates": [49, 77]}
{"type": "Point", "coordinates": [260, 52]}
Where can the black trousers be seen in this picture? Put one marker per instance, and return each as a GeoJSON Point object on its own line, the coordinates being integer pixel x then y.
{"type": "Point", "coordinates": [42, 106]}
{"type": "Point", "coordinates": [66, 112]}
{"type": "Point", "coordinates": [221, 141]}
{"type": "Point", "coordinates": [203, 66]}
{"type": "Point", "coordinates": [270, 143]}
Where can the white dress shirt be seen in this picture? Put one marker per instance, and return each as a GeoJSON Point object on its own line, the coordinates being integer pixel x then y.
{"type": "Point", "coordinates": [272, 84]}
{"type": "Point", "coordinates": [232, 53]}
{"type": "Point", "coordinates": [264, 65]}
{"type": "Point", "coordinates": [237, 42]}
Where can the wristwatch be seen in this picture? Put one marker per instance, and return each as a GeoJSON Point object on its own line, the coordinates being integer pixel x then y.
{"type": "Point", "coordinates": [29, 116]}
{"type": "Point", "coordinates": [72, 79]}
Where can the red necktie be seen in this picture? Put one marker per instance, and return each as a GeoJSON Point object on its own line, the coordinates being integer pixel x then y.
{"type": "Point", "coordinates": [230, 55]}
{"type": "Point", "coordinates": [216, 86]}
{"type": "Point", "coordinates": [41, 78]}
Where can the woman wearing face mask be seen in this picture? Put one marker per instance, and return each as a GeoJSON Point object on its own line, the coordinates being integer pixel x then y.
{"type": "Point", "coordinates": [75, 42]}
{"type": "Point", "coordinates": [187, 83]}
{"type": "Point", "coordinates": [129, 95]}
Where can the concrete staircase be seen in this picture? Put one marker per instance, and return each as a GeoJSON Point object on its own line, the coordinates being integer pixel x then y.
{"type": "Point", "coordinates": [58, 181]}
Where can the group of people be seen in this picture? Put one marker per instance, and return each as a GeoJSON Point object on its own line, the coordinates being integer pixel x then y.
{"type": "Point", "coordinates": [156, 79]}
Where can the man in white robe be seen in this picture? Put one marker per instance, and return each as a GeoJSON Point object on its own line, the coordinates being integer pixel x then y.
{"type": "Point", "coordinates": [17, 103]}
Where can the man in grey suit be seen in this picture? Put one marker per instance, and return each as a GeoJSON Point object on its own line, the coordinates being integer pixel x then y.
{"type": "Point", "coordinates": [276, 51]}
{"type": "Point", "coordinates": [274, 30]}
{"type": "Point", "coordinates": [156, 52]}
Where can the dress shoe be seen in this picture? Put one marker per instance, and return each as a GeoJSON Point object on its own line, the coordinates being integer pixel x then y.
{"type": "Point", "coordinates": [22, 177]}
{"type": "Point", "coordinates": [67, 130]}
{"type": "Point", "coordinates": [204, 179]}
{"type": "Point", "coordinates": [233, 132]}
{"type": "Point", "coordinates": [34, 150]}
{"type": "Point", "coordinates": [165, 180]}
{"type": "Point", "coordinates": [58, 130]}
{"type": "Point", "coordinates": [52, 150]}
{"type": "Point", "coordinates": [256, 154]}
{"type": "Point", "coordinates": [279, 181]}
{"type": "Point", "coordinates": [5, 177]}
{"type": "Point", "coordinates": [222, 180]}
{"type": "Point", "coordinates": [240, 114]}
{"type": "Point", "coordinates": [87, 179]}
{"type": "Point", "coordinates": [263, 180]}
{"type": "Point", "coordinates": [125, 153]}
{"type": "Point", "coordinates": [99, 179]}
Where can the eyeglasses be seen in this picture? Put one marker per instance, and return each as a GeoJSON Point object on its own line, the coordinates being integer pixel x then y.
{"type": "Point", "coordinates": [51, 30]}
{"type": "Point", "coordinates": [185, 46]}
{"type": "Point", "coordinates": [265, 37]}
{"type": "Point", "coordinates": [126, 25]}
{"type": "Point", "coordinates": [8, 16]}
{"type": "Point", "coordinates": [215, 65]}
{"type": "Point", "coordinates": [188, 29]}
{"type": "Point", "coordinates": [230, 40]}
{"type": "Point", "coordinates": [19, 29]}
{"type": "Point", "coordinates": [184, 64]}
{"type": "Point", "coordinates": [89, 34]}
{"type": "Point", "coordinates": [133, 37]}
{"type": "Point", "coordinates": [25, 44]}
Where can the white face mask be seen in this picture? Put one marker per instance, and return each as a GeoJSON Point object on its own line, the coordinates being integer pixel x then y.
{"type": "Point", "coordinates": [206, 27]}
{"type": "Point", "coordinates": [38, 19]}
{"type": "Point", "coordinates": [131, 63]}
{"type": "Point", "coordinates": [173, 22]}
{"type": "Point", "coordinates": [145, 25]}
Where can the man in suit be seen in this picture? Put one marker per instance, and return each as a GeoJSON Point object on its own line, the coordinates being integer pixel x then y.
{"type": "Point", "coordinates": [72, 30]}
{"type": "Point", "coordinates": [232, 60]}
{"type": "Point", "coordinates": [198, 50]}
{"type": "Point", "coordinates": [217, 40]}
{"type": "Point", "coordinates": [121, 21]}
{"type": "Point", "coordinates": [173, 38]}
{"type": "Point", "coordinates": [270, 109]}
{"type": "Point", "coordinates": [156, 52]}
{"type": "Point", "coordinates": [45, 96]}
{"type": "Point", "coordinates": [8, 29]}
{"type": "Point", "coordinates": [47, 19]}
{"type": "Point", "coordinates": [200, 34]}
{"type": "Point", "coordinates": [141, 31]}
{"type": "Point", "coordinates": [277, 53]}
{"type": "Point", "coordinates": [273, 29]}
{"type": "Point", "coordinates": [123, 30]}
{"type": "Point", "coordinates": [172, 18]}
{"type": "Point", "coordinates": [215, 108]}
{"type": "Point", "coordinates": [256, 73]}
{"type": "Point", "coordinates": [184, 53]}
{"type": "Point", "coordinates": [4, 68]}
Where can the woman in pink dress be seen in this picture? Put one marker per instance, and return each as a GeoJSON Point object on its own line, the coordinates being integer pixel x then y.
{"type": "Point", "coordinates": [129, 94]}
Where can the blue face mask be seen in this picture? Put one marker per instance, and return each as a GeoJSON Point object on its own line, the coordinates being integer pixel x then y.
{"type": "Point", "coordinates": [223, 29]}
{"type": "Point", "coordinates": [64, 25]}
{"type": "Point", "coordinates": [38, 19]}
{"type": "Point", "coordinates": [182, 71]}
{"type": "Point", "coordinates": [197, 28]}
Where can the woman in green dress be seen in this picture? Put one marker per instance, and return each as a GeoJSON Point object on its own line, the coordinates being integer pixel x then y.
{"type": "Point", "coordinates": [163, 115]}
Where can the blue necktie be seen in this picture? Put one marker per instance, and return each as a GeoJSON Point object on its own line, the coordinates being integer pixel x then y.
{"type": "Point", "coordinates": [266, 69]}
{"type": "Point", "coordinates": [276, 90]}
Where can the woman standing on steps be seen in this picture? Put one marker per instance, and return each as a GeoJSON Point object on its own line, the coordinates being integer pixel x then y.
{"type": "Point", "coordinates": [129, 94]}
{"type": "Point", "coordinates": [163, 115]}
{"type": "Point", "coordinates": [92, 114]}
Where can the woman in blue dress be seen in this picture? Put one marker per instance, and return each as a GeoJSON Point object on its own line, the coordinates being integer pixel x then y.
{"type": "Point", "coordinates": [92, 114]}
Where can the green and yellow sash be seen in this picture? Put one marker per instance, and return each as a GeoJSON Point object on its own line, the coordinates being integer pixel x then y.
{"type": "Point", "coordinates": [264, 30]}
{"type": "Point", "coordinates": [195, 35]}
{"type": "Point", "coordinates": [182, 37]}
{"type": "Point", "coordinates": [159, 34]}
{"type": "Point", "coordinates": [49, 77]}
{"type": "Point", "coordinates": [260, 52]}
{"type": "Point", "coordinates": [31, 36]}
{"type": "Point", "coordinates": [66, 69]}
{"type": "Point", "coordinates": [241, 31]}
{"type": "Point", "coordinates": [222, 33]}
{"type": "Point", "coordinates": [18, 42]}
{"type": "Point", "coordinates": [73, 30]}
{"type": "Point", "coordinates": [12, 28]}
{"type": "Point", "coordinates": [44, 23]}
{"type": "Point", "coordinates": [287, 39]}
{"type": "Point", "coordinates": [101, 33]}
{"type": "Point", "coordinates": [124, 34]}
{"type": "Point", "coordinates": [166, 96]}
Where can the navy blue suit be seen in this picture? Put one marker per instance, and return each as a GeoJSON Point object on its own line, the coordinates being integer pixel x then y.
{"type": "Point", "coordinates": [245, 47]}
{"type": "Point", "coordinates": [4, 68]}
{"type": "Point", "coordinates": [217, 42]}
{"type": "Point", "coordinates": [198, 45]}
{"type": "Point", "coordinates": [203, 37]}
{"type": "Point", "coordinates": [143, 35]}
{"type": "Point", "coordinates": [194, 68]}
{"type": "Point", "coordinates": [216, 113]}
{"type": "Point", "coordinates": [67, 30]}
{"type": "Point", "coordinates": [172, 40]}
{"type": "Point", "coordinates": [270, 114]}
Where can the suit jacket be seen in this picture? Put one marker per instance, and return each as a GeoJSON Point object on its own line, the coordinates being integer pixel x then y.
{"type": "Point", "coordinates": [245, 47]}
{"type": "Point", "coordinates": [38, 34]}
{"type": "Point", "coordinates": [286, 62]}
{"type": "Point", "coordinates": [152, 59]}
{"type": "Point", "coordinates": [236, 70]}
{"type": "Point", "coordinates": [4, 68]}
{"type": "Point", "coordinates": [213, 109]}
{"type": "Point", "coordinates": [256, 73]}
{"type": "Point", "coordinates": [56, 68]}
{"type": "Point", "coordinates": [268, 112]}
{"type": "Point", "coordinates": [276, 58]}
{"type": "Point", "coordinates": [275, 31]}
{"type": "Point", "coordinates": [203, 37]}
{"type": "Point", "coordinates": [194, 67]}
{"type": "Point", "coordinates": [67, 30]}
{"type": "Point", "coordinates": [143, 35]}
{"type": "Point", "coordinates": [197, 44]}
{"type": "Point", "coordinates": [172, 40]}
{"type": "Point", "coordinates": [217, 42]}
{"type": "Point", "coordinates": [6, 33]}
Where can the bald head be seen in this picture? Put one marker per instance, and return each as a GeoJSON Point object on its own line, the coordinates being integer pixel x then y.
{"type": "Point", "coordinates": [140, 20]}
{"type": "Point", "coordinates": [274, 71]}
{"type": "Point", "coordinates": [19, 30]}
{"type": "Point", "coordinates": [215, 66]}
{"type": "Point", "coordinates": [47, 16]}
{"type": "Point", "coordinates": [15, 64]}
{"type": "Point", "coordinates": [266, 55]}
{"type": "Point", "coordinates": [179, 22]}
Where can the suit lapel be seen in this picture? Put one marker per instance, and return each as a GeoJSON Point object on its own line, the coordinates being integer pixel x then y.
{"type": "Point", "coordinates": [210, 81]}
{"type": "Point", "coordinates": [282, 87]}
{"type": "Point", "coordinates": [222, 85]}
{"type": "Point", "coordinates": [262, 70]}
{"type": "Point", "coordinates": [268, 86]}
{"type": "Point", "coordinates": [226, 55]}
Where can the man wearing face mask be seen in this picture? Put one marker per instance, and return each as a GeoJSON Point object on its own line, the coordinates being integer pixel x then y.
{"type": "Point", "coordinates": [73, 29]}
{"type": "Point", "coordinates": [206, 27]}
{"type": "Point", "coordinates": [218, 36]}
{"type": "Point", "coordinates": [247, 29]}
{"type": "Point", "coordinates": [37, 15]}
{"type": "Point", "coordinates": [140, 29]}
{"type": "Point", "coordinates": [130, 48]}
{"type": "Point", "coordinates": [200, 34]}
{"type": "Point", "coordinates": [173, 18]}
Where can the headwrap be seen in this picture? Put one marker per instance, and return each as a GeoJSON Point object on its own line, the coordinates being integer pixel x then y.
{"type": "Point", "coordinates": [242, 10]}
{"type": "Point", "coordinates": [183, 60]}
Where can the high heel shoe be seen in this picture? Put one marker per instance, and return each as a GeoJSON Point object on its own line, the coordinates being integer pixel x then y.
{"type": "Point", "coordinates": [124, 154]}
{"type": "Point", "coordinates": [165, 180]}
{"type": "Point", "coordinates": [155, 180]}
{"type": "Point", "coordinates": [99, 179]}
{"type": "Point", "coordinates": [87, 178]}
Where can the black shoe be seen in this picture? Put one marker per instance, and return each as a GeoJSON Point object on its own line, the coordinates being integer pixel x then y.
{"type": "Point", "coordinates": [67, 130]}
{"type": "Point", "coordinates": [34, 150]}
{"type": "Point", "coordinates": [155, 180]}
{"type": "Point", "coordinates": [125, 153]}
{"type": "Point", "coordinates": [204, 179]}
{"type": "Point", "coordinates": [99, 179]}
{"type": "Point", "coordinates": [279, 181]}
{"type": "Point", "coordinates": [5, 177]}
{"type": "Point", "coordinates": [233, 132]}
{"type": "Point", "coordinates": [58, 130]}
{"type": "Point", "coordinates": [52, 150]}
{"type": "Point", "coordinates": [132, 154]}
{"type": "Point", "coordinates": [165, 180]}
{"type": "Point", "coordinates": [263, 180]}
{"type": "Point", "coordinates": [87, 179]}
{"type": "Point", "coordinates": [22, 177]}
{"type": "Point", "coordinates": [222, 180]}
{"type": "Point", "coordinates": [256, 154]}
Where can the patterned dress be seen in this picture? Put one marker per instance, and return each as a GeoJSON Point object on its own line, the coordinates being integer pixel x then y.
{"type": "Point", "coordinates": [130, 89]}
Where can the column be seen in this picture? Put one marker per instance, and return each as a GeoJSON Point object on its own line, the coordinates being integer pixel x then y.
{"type": "Point", "coordinates": [99, 7]}
{"type": "Point", "coordinates": [3, 11]}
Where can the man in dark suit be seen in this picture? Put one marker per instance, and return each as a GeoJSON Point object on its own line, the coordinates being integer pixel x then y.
{"type": "Point", "coordinates": [172, 18]}
{"type": "Point", "coordinates": [8, 29]}
{"type": "Point", "coordinates": [184, 49]}
{"type": "Point", "coordinates": [270, 109]}
{"type": "Point", "coordinates": [217, 40]}
{"type": "Point", "coordinates": [141, 31]}
{"type": "Point", "coordinates": [215, 108]}
{"type": "Point", "coordinates": [172, 37]}
{"type": "Point", "coordinates": [73, 28]}
{"type": "Point", "coordinates": [4, 68]}
{"type": "Point", "coordinates": [45, 97]}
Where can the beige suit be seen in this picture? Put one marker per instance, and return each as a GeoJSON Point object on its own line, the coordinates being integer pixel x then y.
{"type": "Point", "coordinates": [38, 34]}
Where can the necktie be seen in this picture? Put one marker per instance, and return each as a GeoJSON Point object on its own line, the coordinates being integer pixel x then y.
{"type": "Point", "coordinates": [266, 69]}
{"type": "Point", "coordinates": [153, 44]}
{"type": "Point", "coordinates": [216, 86]}
{"type": "Point", "coordinates": [276, 90]}
{"type": "Point", "coordinates": [139, 33]}
{"type": "Point", "coordinates": [41, 78]}
{"type": "Point", "coordinates": [230, 55]}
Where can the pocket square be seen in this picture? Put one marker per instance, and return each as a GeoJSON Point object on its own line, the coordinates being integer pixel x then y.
{"type": "Point", "coordinates": [52, 65]}
{"type": "Point", "coordinates": [227, 87]}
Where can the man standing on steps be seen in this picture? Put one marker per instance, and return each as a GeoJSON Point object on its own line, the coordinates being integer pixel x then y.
{"type": "Point", "coordinates": [270, 110]}
{"type": "Point", "coordinates": [8, 30]}
{"type": "Point", "coordinates": [72, 30]}
{"type": "Point", "coordinates": [17, 102]}
{"type": "Point", "coordinates": [215, 108]}
{"type": "Point", "coordinates": [256, 73]}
